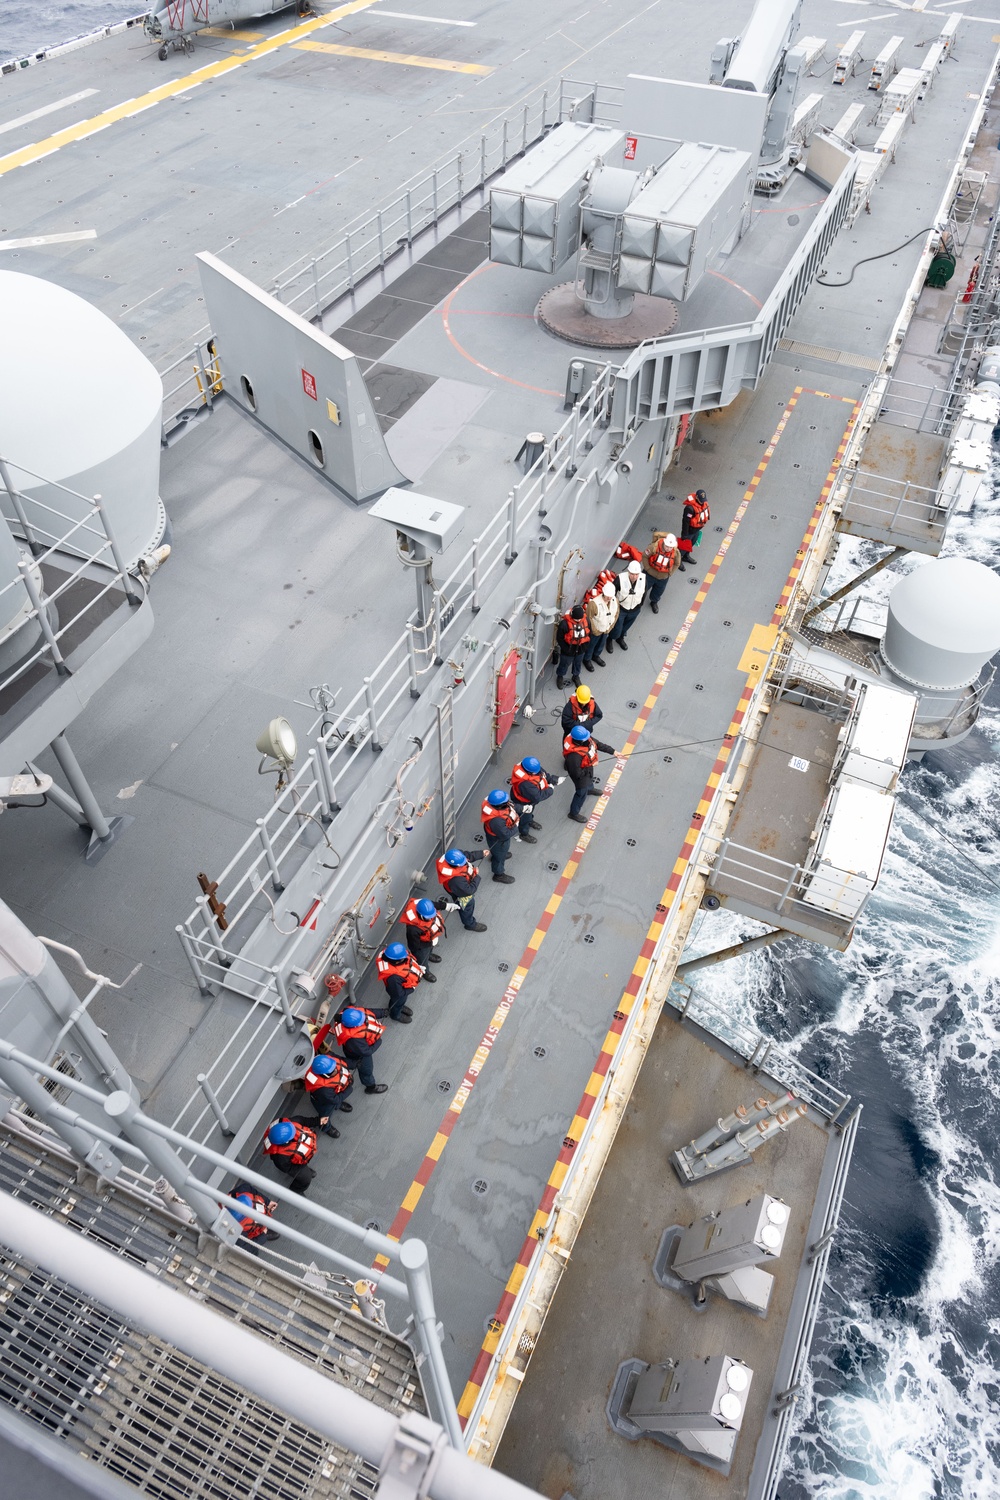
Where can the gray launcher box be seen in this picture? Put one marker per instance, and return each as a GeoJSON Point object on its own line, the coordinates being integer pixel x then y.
{"type": "Point", "coordinates": [535, 207]}
{"type": "Point", "coordinates": [690, 213]}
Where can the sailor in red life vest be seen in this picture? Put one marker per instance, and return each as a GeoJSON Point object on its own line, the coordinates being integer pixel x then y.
{"type": "Point", "coordinates": [400, 973]}
{"type": "Point", "coordinates": [424, 927]}
{"type": "Point", "coordinates": [580, 708]}
{"type": "Point", "coordinates": [252, 1233]}
{"type": "Point", "coordinates": [580, 758]}
{"type": "Point", "coordinates": [328, 1085]}
{"type": "Point", "coordinates": [499, 826]}
{"type": "Point", "coordinates": [572, 636]}
{"type": "Point", "coordinates": [696, 517]}
{"type": "Point", "coordinates": [359, 1033]}
{"type": "Point", "coordinates": [461, 882]}
{"type": "Point", "coordinates": [631, 590]}
{"type": "Point", "coordinates": [529, 785]}
{"type": "Point", "coordinates": [290, 1145]}
{"type": "Point", "coordinates": [659, 560]}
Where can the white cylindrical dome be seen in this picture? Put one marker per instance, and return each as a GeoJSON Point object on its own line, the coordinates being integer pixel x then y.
{"type": "Point", "coordinates": [943, 623]}
{"type": "Point", "coordinates": [81, 406]}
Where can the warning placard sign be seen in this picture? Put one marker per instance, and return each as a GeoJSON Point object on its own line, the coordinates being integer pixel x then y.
{"type": "Point", "coordinates": [309, 385]}
{"type": "Point", "coordinates": [631, 145]}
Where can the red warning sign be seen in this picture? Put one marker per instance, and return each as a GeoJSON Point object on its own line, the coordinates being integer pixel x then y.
{"type": "Point", "coordinates": [631, 145]}
{"type": "Point", "coordinates": [309, 385]}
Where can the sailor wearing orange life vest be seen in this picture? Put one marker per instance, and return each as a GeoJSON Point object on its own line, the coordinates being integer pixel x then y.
{"type": "Point", "coordinates": [659, 560]}
{"type": "Point", "coordinates": [424, 927]}
{"type": "Point", "coordinates": [580, 758]}
{"type": "Point", "coordinates": [461, 882]}
{"type": "Point", "coordinates": [328, 1084]}
{"type": "Point", "coordinates": [252, 1233]}
{"type": "Point", "coordinates": [499, 826]}
{"type": "Point", "coordinates": [400, 973]}
{"type": "Point", "coordinates": [572, 636]}
{"type": "Point", "coordinates": [696, 517]}
{"type": "Point", "coordinates": [529, 785]}
{"type": "Point", "coordinates": [290, 1145]}
{"type": "Point", "coordinates": [359, 1034]}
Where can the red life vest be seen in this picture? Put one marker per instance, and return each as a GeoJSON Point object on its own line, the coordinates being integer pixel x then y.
{"type": "Point", "coordinates": [582, 712]}
{"type": "Point", "coordinates": [429, 929]}
{"type": "Point", "coordinates": [249, 1227]}
{"type": "Point", "coordinates": [577, 631]}
{"type": "Point", "coordinates": [408, 970]}
{"type": "Point", "coordinates": [586, 751]}
{"type": "Point", "coordinates": [446, 873]}
{"type": "Point", "coordinates": [661, 558]}
{"type": "Point", "coordinates": [700, 514]}
{"type": "Point", "coordinates": [489, 811]}
{"type": "Point", "coordinates": [370, 1030]}
{"type": "Point", "coordinates": [338, 1080]}
{"type": "Point", "coordinates": [519, 776]}
{"type": "Point", "coordinates": [605, 576]}
{"type": "Point", "coordinates": [627, 552]}
{"type": "Point", "coordinates": [299, 1149]}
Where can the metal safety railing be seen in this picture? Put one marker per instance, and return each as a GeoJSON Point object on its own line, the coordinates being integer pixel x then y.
{"type": "Point", "coordinates": [343, 742]}
{"type": "Point", "coordinates": [190, 383]}
{"type": "Point", "coordinates": [921, 408]}
{"type": "Point", "coordinates": [66, 566]}
{"type": "Point", "coordinates": [370, 242]}
{"type": "Point", "coordinates": [780, 885]}
{"type": "Point", "coordinates": [759, 1052]}
{"type": "Point", "coordinates": [819, 1255]}
{"type": "Point", "coordinates": [894, 508]}
{"type": "Point", "coordinates": [141, 1140]}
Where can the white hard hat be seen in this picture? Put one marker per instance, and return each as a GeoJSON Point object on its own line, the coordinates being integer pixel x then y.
{"type": "Point", "coordinates": [634, 567]}
{"type": "Point", "coordinates": [608, 590]}
{"type": "Point", "coordinates": [670, 539]}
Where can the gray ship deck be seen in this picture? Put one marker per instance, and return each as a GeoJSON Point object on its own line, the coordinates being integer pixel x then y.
{"type": "Point", "coordinates": [276, 584]}
{"type": "Point", "coordinates": [683, 1081]}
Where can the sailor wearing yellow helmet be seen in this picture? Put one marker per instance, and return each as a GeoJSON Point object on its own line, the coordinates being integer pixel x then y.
{"type": "Point", "coordinates": [581, 711]}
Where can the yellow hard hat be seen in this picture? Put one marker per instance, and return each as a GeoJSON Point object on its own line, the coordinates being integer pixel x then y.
{"type": "Point", "coordinates": [583, 693]}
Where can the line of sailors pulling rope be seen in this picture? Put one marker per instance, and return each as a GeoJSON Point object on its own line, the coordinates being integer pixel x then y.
{"type": "Point", "coordinates": [610, 608]}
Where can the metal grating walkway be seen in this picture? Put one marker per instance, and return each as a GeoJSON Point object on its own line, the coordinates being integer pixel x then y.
{"type": "Point", "coordinates": [164, 1422]}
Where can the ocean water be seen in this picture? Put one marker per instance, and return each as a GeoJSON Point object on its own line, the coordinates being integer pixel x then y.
{"type": "Point", "coordinates": [904, 1397]}
{"type": "Point", "coordinates": [27, 27]}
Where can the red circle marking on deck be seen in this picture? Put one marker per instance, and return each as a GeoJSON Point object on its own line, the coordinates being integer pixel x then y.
{"type": "Point", "coordinates": [446, 310]}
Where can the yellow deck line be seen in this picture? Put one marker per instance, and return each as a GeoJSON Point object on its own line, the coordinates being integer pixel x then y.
{"type": "Point", "coordinates": [404, 59]}
{"type": "Point", "coordinates": [208, 74]}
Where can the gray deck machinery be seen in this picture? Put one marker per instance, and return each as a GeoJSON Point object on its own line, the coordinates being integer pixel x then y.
{"type": "Point", "coordinates": [648, 209]}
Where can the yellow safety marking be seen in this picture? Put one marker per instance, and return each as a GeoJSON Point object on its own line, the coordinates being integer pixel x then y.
{"type": "Point", "coordinates": [757, 649]}
{"type": "Point", "coordinates": [130, 107]}
{"type": "Point", "coordinates": [232, 36]}
{"type": "Point", "coordinates": [404, 59]}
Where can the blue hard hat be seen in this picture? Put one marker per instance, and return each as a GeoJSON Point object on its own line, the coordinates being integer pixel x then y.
{"type": "Point", "coordinates": [579, 734]}
{"type": "Point", "coordinates": [426, 909]}
{"type": "Point", "coordinates": [395, 953]}
{"type": "Point", "coordinates": [281, 1132]}
{"type": "Point", "coordinates": [531, 765]}
{"type": "Point", "coordinates": [241, 1198]}
{"type": "Point", "coordinates": [352, 1016]}
{"type": "Point", "coordinates": [455, 857]}
{"type": "Point", "coordinates": [324, 1066]}
{"type": "Point", "coordinates": [497, 798]}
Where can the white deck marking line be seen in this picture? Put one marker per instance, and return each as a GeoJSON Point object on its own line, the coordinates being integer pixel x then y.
{"type": "Point", "coordinates": [402, 15]}
{"type": "Point", "coordinates": [855, 19]}
{"type": "Point", "coordinates": [47, 109]}
{"type": "Point", "coordinates": [48, 239]}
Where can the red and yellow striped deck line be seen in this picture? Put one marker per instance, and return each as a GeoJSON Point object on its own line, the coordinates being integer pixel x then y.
{"type": "Point", "coordinates": [462, 1093]}
{"type": "Point", "coordinates": [644, 958]}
